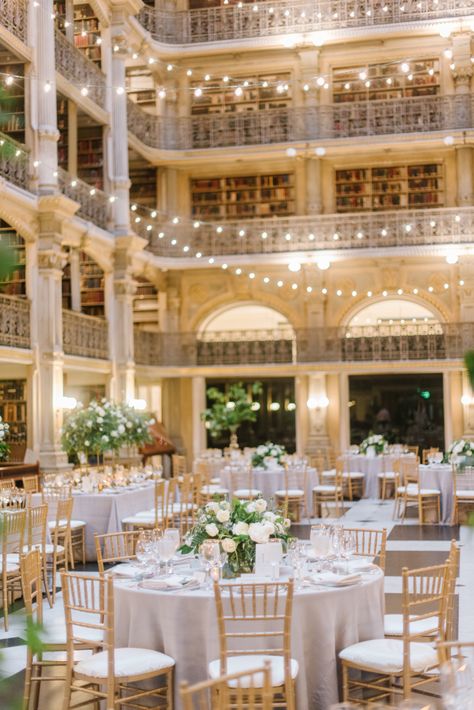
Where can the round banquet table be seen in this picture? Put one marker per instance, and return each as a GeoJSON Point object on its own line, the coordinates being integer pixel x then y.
{"type": "Point", "coordinates": [184, 625]}
{"type": "Point", "coordinates": [269, 480]}
{"type": "Point", "coordinates": [371, 466]}
{"type": "Point", "coordinates": [439, 475]}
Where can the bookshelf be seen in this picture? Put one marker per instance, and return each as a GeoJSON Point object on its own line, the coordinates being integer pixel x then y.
{"type": "Point", "coordinates": [140, 86]}
{"type": "Point", "coordinates": [143, 183]}
{"type": "Point", "coordinates": [243, 197]}
{"type": "Point", "coordinates": [60, 14]}
{"type": "Point", "coordinates": [63, 128]}
{"type": "Point", "coordinates": [12, 98]}
{"type": "Point", "coordinates": [386, 81]}
{"type": "Point", "coordinates": [87, 32]}
{"type": "Point", "coordinates": [389, 188]}
{"type": "Point", "coordinates": [13, 410]}
{"type": "Point", "coordinates": [90, 155]}
{"type": "Point", "coordinates": [15, 285]}
{"type": "Point", "coordinates": [66, 290]}
{"type": "Point", "coordinates": [219, 97]}
{"type": "Point", "coordinates": [92, 286]}
{"type": "Point", "coordinates": [145, 305]}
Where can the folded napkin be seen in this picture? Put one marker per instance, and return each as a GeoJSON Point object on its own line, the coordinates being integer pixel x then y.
{"type": "Point", "coordinates": [330, 579]}
{"type": "Point", "coordinates": [174, 581]}
{"type": "Point", "coordinates": [351, 566]}
{"type": "Point", "coordinates": [125, 570]}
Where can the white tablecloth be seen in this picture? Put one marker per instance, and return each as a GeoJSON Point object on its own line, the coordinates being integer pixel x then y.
{"type": "Point", "coordinates": [273, 479]}
{"type": "Point", "coordinates": [371, 466]}
{"type": "Point", "coordinates": [325, 620]}
{"type": "Point", "coordinates": [439, 475]}
{"type": "Point", "coordinates": [103, 512]}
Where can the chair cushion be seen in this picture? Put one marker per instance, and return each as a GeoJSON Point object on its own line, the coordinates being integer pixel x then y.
{"type": "Point", "coordinates": [215, 481]}
{"type": "Point", "coordinates": [464, 494]}
{"type": "Point", "coordinates": [128, 662]}
{"type": "Point", "coordinates": [245, 492]}
{"type": "Point", "coordinates": [386, 474]}
{"type": "Point", "coordinates": [297, 492]}
{"type": "Point", "coordinates": [63, 523]}
{"type": "Point", "coordinates": [393, 625]}
{"type": "Point", "coordinates": [325, 489]}
{"type": "Point", "coordinates": [329, 473]}
{"type": "Point", "coordinates": [412, 490]}
{"type": "Point", "coordinates": [48, 548]}
{"type": "Point", "coordinates": [11, 567]}
{"type": "Point", "coordinates": [237, 664]}
{"type": "Point", "coordinates": [353, 474]}
{"type": "Point", "coordinates": [214, 488]}
{"type": "Point", "coordinates": [386, 655]}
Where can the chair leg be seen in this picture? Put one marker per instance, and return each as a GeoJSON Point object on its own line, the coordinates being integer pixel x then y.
{"type": "Point", "coordinates": [27, 688]}
{"type": "Point", "coordinates": [67, 689]}
{"type": "Point", "coordinates": [36, 686]}
{"type": "Point", "coordinates": [345, 682]}
{"type": "Point", "coordinates": [5, 604]}
{"type": "Point", "coordinates": [169, 689]}
{"type": "Point", "coordinates": [83, 543]}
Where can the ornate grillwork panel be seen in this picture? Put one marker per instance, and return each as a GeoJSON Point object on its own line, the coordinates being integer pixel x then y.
{"type": "Point", "coordinates": [94, 204]}
{"type": "Point", "coordinates": [14, 16]}
{"type": "Point", "coordinates": [75, 67]}
{"type": "Point", "coordinates": [14, 322]}
{"type": "Point", "coordinates": [14, 162]}
{"type": "Point", "coordinates": [230, 22]}
{"type": "Point", "coordinates": [86, 336]}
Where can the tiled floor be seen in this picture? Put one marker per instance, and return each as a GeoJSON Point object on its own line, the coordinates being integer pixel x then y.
{"type": "Point", "coordinates": [409, 545]}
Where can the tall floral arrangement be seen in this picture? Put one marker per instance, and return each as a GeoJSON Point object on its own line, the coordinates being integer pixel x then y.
{"type": "Point", "coordinates": [4, 448]}
{"type": "Point", "coordinates": [104, 426]}
{"type": "Point", "coordinates": [229, 409]}
{"type": "Point", "coordinates": [377, 442]}
{"type": "Point", "coordinates": [266, 453]}
{"type": "Point", "coordinates": [460, 447]}
{"type": "Point", "coordinates": [239, 526]}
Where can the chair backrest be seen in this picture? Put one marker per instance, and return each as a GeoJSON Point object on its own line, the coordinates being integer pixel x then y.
{"type": "Point", "coordinates": [159, 494]}
{"type": "Point", "coordinates": [463, 478]}
{"type": "Point", "coordinates": [31, 582]}
{"type": "Point", "coordinates": [370, 543]}
{"type": "Point", "coordinates": [453, 559]}
{"type": "Point", "coordinates": [181, 506]}
{"type": "Point", "coordinates": [428, 452]}
{"type": "Point", "coordinates": [12, 533]}
{"type": "Point", "coordinates": [36, 526]}
{"type": "Point", "coordinates": [240, 477]}
{"type": "Point", "coordinates": [409, 470]}
{"type": "Point", "coordinates": [115, 547]}
{"type": "Point", "coordinates": [413, 450]}
{"type": "Point", "coordinates": [30, 484]}
{"type": "Point", "coordinates": [247, 690]}
{"type": "Point", "coordinates": [254, 619]}
{"type": "Point", "coordinates": [178, 464]}
{"type": "Point", "coordinates": [60, 512]}
{"type": "Point", "coordinates": [296, 477]}
{"type": "Point", "coordinates": [425, 596]}
{"type": "Point", "coordinates": [89, 611]}
{"type": "Point", "coordinates": [7, 483]}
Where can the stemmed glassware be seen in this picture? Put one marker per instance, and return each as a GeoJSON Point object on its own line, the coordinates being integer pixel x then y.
{"type": "Point", "coordinates": [210, 556]}
{"type": "Point", "coordinates": [457, 684]}
{"type": "Point", "coordinates": [171, 535]}
{"type": "Point", "coordinates": [320, 540]}
{"type": "Point", "coordinates": [144, 549]}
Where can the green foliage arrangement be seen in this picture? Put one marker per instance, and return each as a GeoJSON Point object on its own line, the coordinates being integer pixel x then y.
{"type": "Point", "coordinates": [229, 409]}
{"type": "Point", "coordinates": [4, 448]}
{"type": "Point", "coordinates": [469, 363]}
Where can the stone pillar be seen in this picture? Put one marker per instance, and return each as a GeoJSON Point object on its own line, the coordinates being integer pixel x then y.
{"type": "Point", "coordinates": [462, 77]}
{"type": "Point", "coordinates": [313, 185]}
{"type": "Point", "coordinates": [48, 134]}
{"type": "Point", "coordinates": [198, 406]}
{"type": "Point", "coordinates": [466, 291]}
{"type": "Point", "coordinates": [317, 405]}
{"type": "Point", "coordinates": [464, 175]}
{"type": "Point", "coordinates": [467, 403]}
{"type": "Point", "coordinates": [301, 414]}
{"type": "Point", "coordinates": [344, 417]}
{"type": "Point", "coordinates": [447, 410]}
{"type": "Point", "coordinates": [75, 280]}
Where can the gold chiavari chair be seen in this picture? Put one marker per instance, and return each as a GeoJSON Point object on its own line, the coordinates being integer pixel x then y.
{"type": "Point", "coordinates": [112, 673]}
{"type": "Point", "coordinates": [459, 650]}
{"type": "Point", "coordinates": [393, 623]}
{"type": "Point", "coordinates": [114, 548]}
{"type": "Point", "coordinates": [247, 690]}
{"type": "Point", "coordinates": [254, 622]}
{"type": "Point", "coordinates": [389, 479]}
{"type": "Point", "coordinates": [353, 481]}
{"type": "Point", "coordinates": [370, 543]}
{"type": "Point", "coordinates": [53, 636]}
{"type": "Point", "coordinates": [413, 450]}
{"type": "Point", "coordinates": [36, 538]}
{"type": "Point", "coordinates": [154, 517]}
{"type": "Point", "coordinates": [178, 465]}
{"type": "Point", "coordinates": [241, 483]}
{"type": "Point", "coordinates": [208, 488]}
{"type": "Point", "coordinates": [72, 535]}
{"type": "Point", "coordinates": [58, 552]}
{"type": "Point", "coordinates": [410, 493]}
{"type": "Point", "coordinates": [425, 453]}
{"type": "Point", "coordinates": [399, 666]}
{"type": "Point", "coordinates": [326, 494]}
{"type": "Point", "coordinates": [463, 490]}
{"type": "Point", "coordinates": [12, 535]}
{"type": "Point", "coordinates": [292, 498]}
{"type": "Point", "coordinates": [30, 484]}
{"type": "Point", "coordinates": [181, 508]}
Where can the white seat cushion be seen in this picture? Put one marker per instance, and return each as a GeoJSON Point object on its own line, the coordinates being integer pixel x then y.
{"type": "Point", "coordinates": [386, 474]}
{"type": "Point", "coordinates": [214, 489]}
{"type": "Point", "coordinates": [246, 492]}
{"type": "Point", "coordinates": [237, 664]}
{"type": "Point", "coordinates": [325, 489]}
{"type": "Point", "coordinates": [412, 490]}
{"type": "Point", "coordinates": [215, 481]}
{"type": "Point", "coordinates": [11, 567]}
{"type": "Point", "coordinates": [329, 474]}
{"type": "Point", "coordinates": [386, 655]}
{"type": "Point", "coordinates": [393, 625]}
{"type": "Point", "coordinates": [291, 492]}
{"type": "Point", "coordinates": [48, 548]}
{"type": "Point", "coordinates": [139, 520]}
{"type": "Point", "coordinates": [353, 474]}
{"type": "Point", "coordinates": [464, 494]}
{"type": "Point", "coordinates": [128, 661]}
{"type": "Point", "coordinates": [62, 524]}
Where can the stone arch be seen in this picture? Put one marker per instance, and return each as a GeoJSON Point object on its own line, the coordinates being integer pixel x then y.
{"type": "Point", "coordinates": [427, 301]}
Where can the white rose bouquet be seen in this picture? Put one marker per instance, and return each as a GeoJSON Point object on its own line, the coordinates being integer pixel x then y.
{"type": "Point", "coordinates": [4, 448]}
{"type": "Point", "coordinates": [239, 526]}
{"type": "Point", "coordinates": [460, 447]}
{"type": "Point", "coordinates": [377, 441]}
{"type": "Point", "coordinates": [266, 452]}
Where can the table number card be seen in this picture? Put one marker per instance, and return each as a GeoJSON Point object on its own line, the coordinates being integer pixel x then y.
{"type": "Point", "coordinates": [267, 559]}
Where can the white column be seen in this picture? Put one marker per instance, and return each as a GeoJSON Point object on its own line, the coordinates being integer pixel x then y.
{"type": "Point", "coordinates": [317, 405]}
{"type": "Point", "coordinates": [313, 185]}
{"type": "Point", "coordinates": [75, 274]}
{"type": "Point", "coordinates": [344, 417]}
{"type": "Point", "coordinates": [447, 410]}
{"type": "Point", "coordinates": [301, 412]}
{"type": "Point", "coordinates": [198, 406]}
{"type": "Point", "coordinates": [464, 175]}
{"type": "Point", "coordinates": [47, 152]}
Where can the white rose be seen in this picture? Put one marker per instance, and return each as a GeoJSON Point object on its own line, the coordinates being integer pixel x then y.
{"type": "Point", "coordinates": [269, 516]}
{"type": "Point", "coordinates": [114, 434]}
{"type": "Point", "coordinates": [89, 424]}
{"type": "Point", "coordinates": [100, 420]}
{"type": "Point", "coordinates": [250, 507]}
{"type": "Point", "coordinates": [259, 532]}
{"type": "Point", "coordinates": [240, 528]}
{"type": "Point", "coordinates": [129, 425]}
{"type": "Point", "coordinates": [120, 428]}
{"type": "Point", "coordinates": [212, 529]}
{"type": "Point", "coordinates": [260, 505]}
{"type": "Point", "coordinates": [101, 411]}
{"type": "Point", "coordinates": [212, 507]}
{"type": "Point", "coordinates": [228, 545]}
{"type": "Point", "coordinates": [87, 443]}
{"type": "Point", "coordinates": [223, 516]}
{"type": "Point", "coordinates": [287, 523]}
{"type": "Point", "coordinates": [105, 437]}
{"type": "Point", "coordinates": [225, 505]}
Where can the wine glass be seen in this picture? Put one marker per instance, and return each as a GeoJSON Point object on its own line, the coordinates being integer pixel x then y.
{"type": "Point", "coordinates": [209, 554]}
{"type": "Point", "coordinates": [143, 549]}
{"type": "Point", "coordinates": [456, 678]}
{"type": "Point", "coordinates": [172, 535]}
{"type": "Point", "coordinates": [166, 549]}
{"type": "Point", "coordinates": [348, 547]}
{"type": "Point", "coordinates": [320, 542]}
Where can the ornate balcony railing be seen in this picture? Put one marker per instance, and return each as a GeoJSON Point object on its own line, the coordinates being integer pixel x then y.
{"type": "Point", "coordinates": [14, 322]}
{"type": "Point", "coordinates": [14, 16]}
{"type": "Point", "coordinates": [318, 345]}
{"type": "Point", "coordinates": [422, 114]}
{"type": "Point", "coordinates": [84, 335]}
{"type": "Point", "coordinates": [14, 161]}
{"type": "Point", "coordinates": [94, 204]}
{"type": "Point", "coordinates": [266, 19]}
{"type": "Point", "coordinates": [314, 233]}
{"type": "Point", "coordinates": [74, 66]}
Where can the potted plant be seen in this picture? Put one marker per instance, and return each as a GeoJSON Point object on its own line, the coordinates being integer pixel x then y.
{"type": "Point", "coordinates": [230, 409]}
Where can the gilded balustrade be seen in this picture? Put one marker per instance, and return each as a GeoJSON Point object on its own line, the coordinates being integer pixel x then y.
{"type": "Point", "coordinates": [86, 336]}
{"type": "Point", "coordinates": [14, 322]}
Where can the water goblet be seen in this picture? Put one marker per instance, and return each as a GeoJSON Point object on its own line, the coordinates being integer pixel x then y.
{"type": "Point", "coordinates": [166, 551]}
{"type": "Point", "coordinates": [172, 535]}
{"type": "Point", "coordinates": [209, 554]}
{"type": "Point", "coordinates": [320, 542]}
{"type": "Point", "coordinates": [456, 679]}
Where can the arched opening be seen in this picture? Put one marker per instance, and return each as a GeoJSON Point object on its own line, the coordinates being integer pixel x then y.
{"type": "Point", "coordinates": [248, 318]}
{"type": "Point", "coordinates": [395, 316]}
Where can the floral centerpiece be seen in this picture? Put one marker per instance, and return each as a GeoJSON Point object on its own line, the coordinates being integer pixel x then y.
{"type": "Point", "coordinates": [460, 447]}
{"type": "Point", "coordinates": [103, 426]}
{"type": "Point", "coordinates": [239, 526]}
{"type": "Point", "coordinates": [4, 448]}
{"type": "Point", "coordinates": [267, 453]}
{"type": "Point", "coordinates": [374, 445]}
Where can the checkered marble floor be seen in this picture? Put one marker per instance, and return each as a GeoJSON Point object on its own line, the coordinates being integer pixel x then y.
{"type": "Point", "coordinates": [409, 545]}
